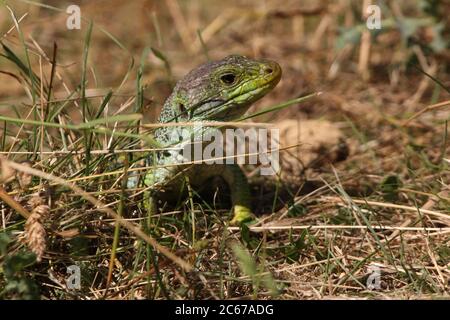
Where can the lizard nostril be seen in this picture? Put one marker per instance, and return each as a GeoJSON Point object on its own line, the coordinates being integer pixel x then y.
{"type": "Point", "coordinates": [268, 70]}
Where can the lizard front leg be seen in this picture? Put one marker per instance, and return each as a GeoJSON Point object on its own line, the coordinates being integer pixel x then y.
{"type": "Point", "coordinates": [240, 193]}
{"type": "Point", "coordinates": [232, 174]}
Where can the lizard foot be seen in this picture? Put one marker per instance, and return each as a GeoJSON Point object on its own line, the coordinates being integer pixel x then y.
{"type": "Point", "coordinates": [241, 215]}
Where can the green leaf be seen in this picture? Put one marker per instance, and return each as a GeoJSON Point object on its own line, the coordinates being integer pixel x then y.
{"type": "Point", "coordinates": [251, 242]}
{"type": "Point", "coordinates": [18, 262]}
{"type": "Point", "coordinates": [409, 26]}
{"type": "Point", "coordinates": [245, 260]}
{"type": "Point", "coordinates": [163, 58]}
{"type": "Point", "coordinates": [4, 241]}
{"type": "Point", "coordinates": [256, 272]}
{"type": "Point", "coordinates": [280, 106]}
{"type": "Point", "coordinates": [245, 233]}
{"type": "Point", "coordinates": [348, 35]}
{"type": "Point", "coordinates": [23, 288]}
{"type": "Point", "coordinates": [296, 210]}
{"type": "Point", "coordinates": [293, 250]}
{"type": "Point", "coordinates": [444, 255]}
{"type": "Point", "coordinates": [389, 187]}
{"type": "Point", "coordinates": [439, 43]}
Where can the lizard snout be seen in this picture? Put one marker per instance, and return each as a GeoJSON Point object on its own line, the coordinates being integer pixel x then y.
{"type": "Point", "coordinates": [270, 71]}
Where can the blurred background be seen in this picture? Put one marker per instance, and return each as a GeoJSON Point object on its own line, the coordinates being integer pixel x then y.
{"type": "Point", "coordinates": [370, 79]}
{"type": "Point", "coordinates": [321, 46]}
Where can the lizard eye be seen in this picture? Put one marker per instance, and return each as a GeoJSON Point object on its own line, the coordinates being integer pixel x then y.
{"type": "Point", "coordinates": [228, 78]}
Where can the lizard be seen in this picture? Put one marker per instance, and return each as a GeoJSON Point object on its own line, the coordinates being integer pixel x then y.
{"type": "Point", "coordinates": [217, 91]}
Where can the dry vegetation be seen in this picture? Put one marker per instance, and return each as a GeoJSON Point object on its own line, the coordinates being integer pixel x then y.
{"type": "Point", "coordinates": [366, 189]}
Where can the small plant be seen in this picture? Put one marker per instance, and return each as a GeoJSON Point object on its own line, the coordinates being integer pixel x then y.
{"type": "Point", "coordinates": [15, 283]}
{"type": "Point", "coordinates": [258, 276]}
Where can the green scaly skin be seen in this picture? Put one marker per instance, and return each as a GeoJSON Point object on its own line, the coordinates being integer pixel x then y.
{"type": "Point", "coordinates": [215, 91]}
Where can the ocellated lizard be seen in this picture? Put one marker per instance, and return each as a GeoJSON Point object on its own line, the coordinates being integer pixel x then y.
{"type": "Point", "coordinates": [215, 91]}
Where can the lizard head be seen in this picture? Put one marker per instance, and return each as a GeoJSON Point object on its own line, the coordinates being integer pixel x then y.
{"type": "Point", "coordinates": [221, 90]}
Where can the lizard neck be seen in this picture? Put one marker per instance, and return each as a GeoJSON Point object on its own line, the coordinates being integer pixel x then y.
{"type": "Point", "coordinates": [163, 134]}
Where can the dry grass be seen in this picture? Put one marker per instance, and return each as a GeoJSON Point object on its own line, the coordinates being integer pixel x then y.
{"type": "Point", "coordinates": [375, 197]}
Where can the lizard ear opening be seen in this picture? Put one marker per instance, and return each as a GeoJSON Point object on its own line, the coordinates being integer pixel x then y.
{"type": "Point", "coordinates": [183, 112]}
{"type": "Point", "coordinates": [182, 108]}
